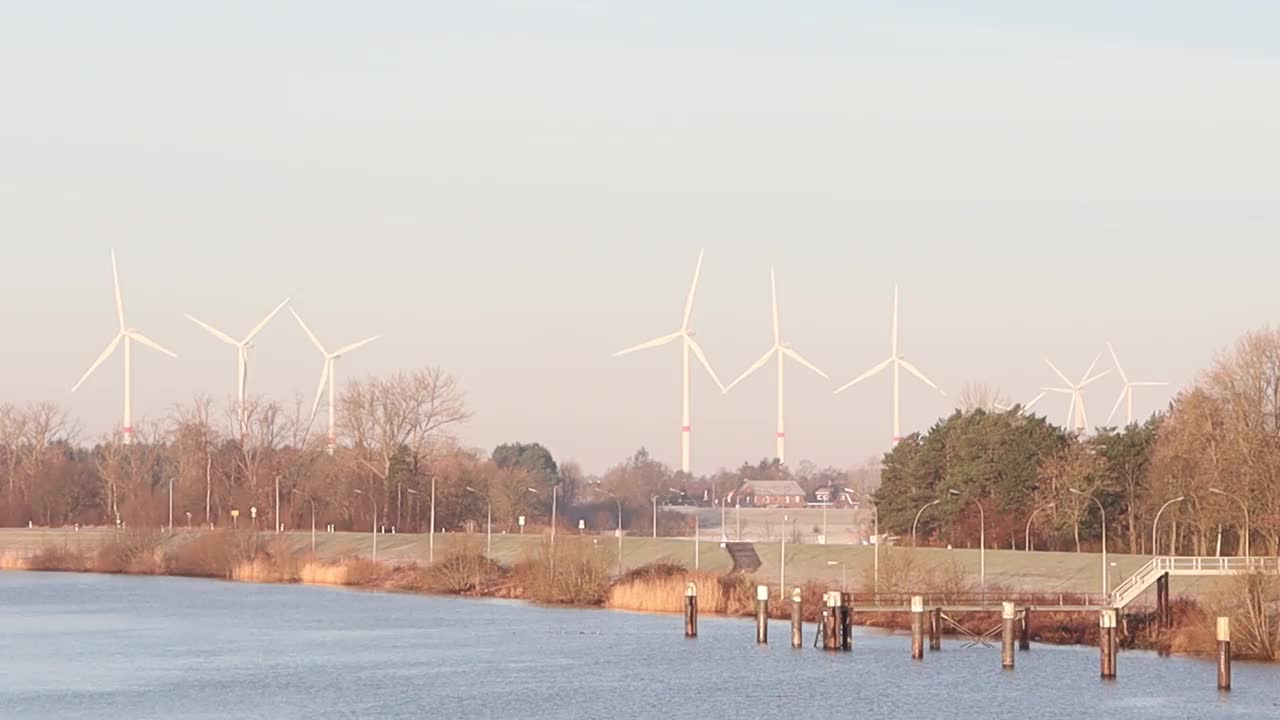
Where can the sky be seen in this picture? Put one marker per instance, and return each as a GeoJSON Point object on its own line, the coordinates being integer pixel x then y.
{"type": "Point", "coordinates": [513, 191]}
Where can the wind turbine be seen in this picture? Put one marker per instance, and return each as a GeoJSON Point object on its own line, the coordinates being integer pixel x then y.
{"type": "Point", "coordinates": [327, 374]}
{"type": "Point", "coordinates": [242, 357]}
{"type": "Point", "coordinates": [781, 350]}
{"type": "Point", "coordinates": [1024, 407]}
{"type": "Point", "coordinates": [127, 335]}
{"type": "Point", "coordinates": [1077, 418]}
{"type": "Point", "coordinates": [1127, 392]}
{"type": "Point", "coordinates": [898, 363]}
{"type": "Point", "coordinates": [688, 344]}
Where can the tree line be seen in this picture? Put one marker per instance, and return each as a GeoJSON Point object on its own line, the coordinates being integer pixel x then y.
{"type": "Point", "coordinates": [1201, 465]}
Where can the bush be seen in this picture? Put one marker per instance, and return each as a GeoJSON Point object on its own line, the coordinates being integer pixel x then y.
{"type": "Point", "coordinates": [580, 577]}
{"type": "Point", "coordinates": [661, 588]}
{"type": "Point", "coordinates": [57, 559]}
{"type": "Point", "coordinates": [130, 551]}
{"type": "Point", "coordinates": [213, 554]}
{"type": "Point", "coordinates": [463, 573]}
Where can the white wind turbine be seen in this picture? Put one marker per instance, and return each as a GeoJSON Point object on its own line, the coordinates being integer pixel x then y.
{"type": "Point", "coordinates": [899, 363]}
{"type": "Point", "coordinates": [1077, 418]}
{"type": "Point", "coordinates": [688, 344]}
{"type": "Point", "coordinates": [781, 350]}
{"type": "Point", "coordinates": [126, 335]}
{"type": "Point", "coordinates": [1025, 407]}
{"type": "Point", "coordinates": [1127, 393]}
{"type": "Point", "coordinates": [328, 372]}
{"type": "Point", "coordinates": [242, 359]}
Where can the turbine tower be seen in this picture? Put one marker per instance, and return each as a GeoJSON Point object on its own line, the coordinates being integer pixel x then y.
{"type": "Point", "coordinates": [899, 363]}
{"type": "Point", "coordinates": [1127, 393]}
{"type": "Point", "coordinates": [781, 350]}
{"type": "Point", "coordinates": [1077, 418]}
{"type": "Point", "coordinates": [688, 345]}
{"type": "Point", "coordinates": [242, 359]}
{"type": "Point", "coordinates": [328, 371]}
{"type": "Point", "coordinates": [127, 335]}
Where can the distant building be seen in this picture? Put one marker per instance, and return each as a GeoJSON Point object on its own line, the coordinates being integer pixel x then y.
{"type": "Point", "coordinates": [768, 493]}
{"type": "Point", "coordinates": [834, 496]}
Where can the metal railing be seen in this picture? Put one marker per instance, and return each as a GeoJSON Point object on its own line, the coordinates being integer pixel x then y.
{"type": "Point", "coordinates": [992, 600]}
{"type": "Point", "coordinates": [1131, 588]}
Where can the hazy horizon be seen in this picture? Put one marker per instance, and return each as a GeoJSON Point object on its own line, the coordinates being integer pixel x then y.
{"type": "Point", "coordinates": [514, 193]}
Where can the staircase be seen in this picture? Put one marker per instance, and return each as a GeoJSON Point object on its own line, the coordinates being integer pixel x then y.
{"type": "Point", "coordinates": [1129, 590]}
{"type": "Point", "coordinates": [745, 559]}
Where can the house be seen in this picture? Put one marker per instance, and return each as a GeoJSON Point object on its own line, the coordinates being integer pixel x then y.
{"type": "Point", "coordinates": [834, 497]}
{"type": "Point", "coordinates": [769, 493]}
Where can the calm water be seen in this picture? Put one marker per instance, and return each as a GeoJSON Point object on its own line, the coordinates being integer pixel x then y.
{"type": "Point", "coordinates": [85, 646]}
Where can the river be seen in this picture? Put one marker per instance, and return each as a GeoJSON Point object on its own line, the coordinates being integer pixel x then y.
{"type": "Point", "coordinates": [96, 646]}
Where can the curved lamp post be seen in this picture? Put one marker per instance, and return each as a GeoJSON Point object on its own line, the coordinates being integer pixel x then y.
{"type": "Point", "coordinates": [916, 522]}
{"type": "Point", "coordinates": [1155, 523]}
{"type": "Point", "coordinates": [1104, 535]}
{"type": "Point", "coordinates": [488, 540]}
{"type": "Point", "coordinates": [982, 543]}
{"type": "Point", "coordinates": [1037, 511]}
{"type": "Point", "coordinates": [1243, 506]}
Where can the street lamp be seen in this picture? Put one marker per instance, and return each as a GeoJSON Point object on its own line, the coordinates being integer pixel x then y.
{"type": "Point", "coordinates": [1104, 535]}
{"type": "Point", "coordinates": [875, 537]}
{"type": "Point", "coordinates": [489, 521]}
{"type": "Point", "coordinates": [431, 540]}
{"type": "Point", "coordinates": [654, 500]}
{"type": "Point", "coordinates": [554, 492]}
{"type": "Point", "coordinates": [1156, 522]}
{"type": "Point", "coordinates": [279, 525]}
{"type": "Point", "coordinates": [372, 501]}
{"type": "Point", "coordinates": [1245, 507]}
{"type": "Point", "coordinates": [416, 527]}
{"type": "Point", "coordinates": [917, 520]}
{"type": "Point", "coordinates": [619, 531]}
{"type": "Point", "coordinates": [296, 491]}
{"type": "Point", "coordinates": [171, 504]}
{"type": "Point", "coordinates": [830, 501]}
{"type": "Point", "coordinates": [982, 544]}
{"type": "Point", "coordinates": [843, 576]}
{"type": "Point", "coordinates": [1027, 541]}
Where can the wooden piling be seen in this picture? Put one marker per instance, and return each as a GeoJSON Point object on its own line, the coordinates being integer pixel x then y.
{"type": "Point", "coordinates": [846, 621]}
{"type": "Point", "coordinates": [1008, 616]}
{"type": "Point", "coordinates": [935, 630]}
{"type": "Point", "coordinates": [917, 628]}
{"type": "Point", "coordinates": [1164, 613]}
{"type": "Point", "coordinates": [831, 621]}
{"type": "Point", "coordinates": [1107, 642]}
{"type": "Point", "coordinates": [762, 614]}
{"type": "Point", "coordinates": [691, 610]}
{"type": "Point", "coordinates": [1224, 653]}
{"type": "Point", "coordinates": [1024, 633]}
{"type": "Point", "coordinates": [797, 619]}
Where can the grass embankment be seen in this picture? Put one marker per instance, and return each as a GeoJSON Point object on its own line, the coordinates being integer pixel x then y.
{"type": "Point", "coordinates": [580, 575]}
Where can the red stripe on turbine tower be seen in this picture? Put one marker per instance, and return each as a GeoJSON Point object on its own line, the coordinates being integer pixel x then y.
{"type": "Point", "coordinates": [686, 428]}
{"type": "Point", "coordinates": [782, 435]}
{"type": "Point", "coordinates": [127, 430]}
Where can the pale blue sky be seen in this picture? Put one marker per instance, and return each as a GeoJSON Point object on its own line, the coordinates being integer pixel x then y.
{"type": "Point", "coordinates": [516, 190]}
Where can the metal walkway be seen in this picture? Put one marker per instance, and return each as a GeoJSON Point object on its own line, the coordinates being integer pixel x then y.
{"type": "Point", "coordinates": [1129, 590]}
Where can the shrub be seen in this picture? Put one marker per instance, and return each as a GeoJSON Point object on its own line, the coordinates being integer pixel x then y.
{"type": "Point", "coordinates": [57, 558]}
{"type": "Point", "coordinates": [213, 554]}
{"type": "Point", "coordinates": [580, 577]}
{"type": "Point", "coordinates": [130, 551]}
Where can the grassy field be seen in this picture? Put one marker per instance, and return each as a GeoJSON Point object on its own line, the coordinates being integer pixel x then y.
{"type": "Point", "coordinates": [899, 566]}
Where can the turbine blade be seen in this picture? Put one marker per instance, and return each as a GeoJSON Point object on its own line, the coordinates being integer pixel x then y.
{"type": "Point", "coordinates": [324, 375]}
{"type": "Point", "coordinates": [1148, 384]}
{"type": "Point", "coordinates": [1058, 372]}
{"type": "Point", "coordinates": [649, 344]}
{"type": "Point", "coordinates": [1093, 365]}
{"type": "Point", "coordinates": [864, 376]}
{"type": "Point", "coordinates": [1063, 391]}
{"type": "Point", "coordinates": [916, 371]}
{"type": "Point", "coordinates": [314, 340]}
{"type": "Point", "coordinates": [1032, 404]}
{"type": "Point", "coordinates": [258, 328]}
{"type": "Point", "coordinates": [1119, 402]}
{"type": "Point", "coordinates": [693, 289]}
{"type": "Point", "coordinates": [111, 347]}
{"type": "Point", "coordinates": [1094, 379]}
{"type": "Point", "coordinates": [348, 348]}
{"type": "Point", "coordinates": [115, 280]}
{"type": "Point", "coordinates": [213, 331]}
{"type": "Point", "coordinates": [758, 364]}
{"type": "Point", "coordinates": [773, 290]}
{"type": "Point", "coordinates": [134, 334]}
{"type": "Point", "coordinates": [796, 356]}
{"type": "Point", "coordinates": [1116, 359]}
{"type": "Point", "coordinates": [702, 358]}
